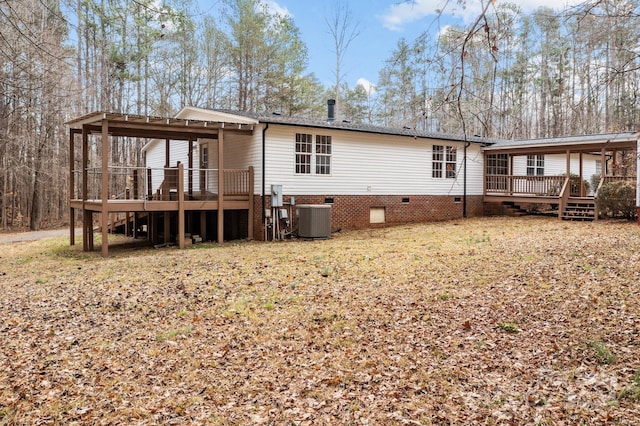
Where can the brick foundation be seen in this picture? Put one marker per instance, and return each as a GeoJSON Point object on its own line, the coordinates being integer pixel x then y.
{"type": "Point", "coordinates": [353, 211]}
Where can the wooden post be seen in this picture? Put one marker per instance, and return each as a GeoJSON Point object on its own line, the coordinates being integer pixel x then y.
{"type": "Point", "coordinates": [220, 186]}
{"type": "Point", "coordinates": [167, 153]}
{"type": "Point", "coordinates": [510, 174]}
{"type": "Point", "coordinates": [203, 225]}
{"type": "Point", "coordinates": [105, 188]}
{"type": "Point", "coordinates": [72, 184]}
{"type": "Point", "coordinates": [85, 190]}
{"type": "Point", "coordinates": [190, 166]}
{"type": "Point", "coordinates": [250, 213]}
{"type": "Point", "coordinates": [149, 185]}
{"type": "Point", "coordinates": [583, 190]}
{"type": "Point", "coordinates": [90, 225]}
{"type": "Point", "coordinates": [180, 206]}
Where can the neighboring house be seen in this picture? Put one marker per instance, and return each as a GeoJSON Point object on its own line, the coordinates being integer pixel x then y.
{"type": "Point", "coordinates": [369, 175]}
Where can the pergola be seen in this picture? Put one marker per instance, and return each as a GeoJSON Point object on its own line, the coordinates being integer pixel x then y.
{"type": "Point", "coordinates": [107, 125]}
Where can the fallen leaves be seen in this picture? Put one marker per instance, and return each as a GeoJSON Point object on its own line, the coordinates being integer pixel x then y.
{"type": "Point", "coordinates": [483, 321]}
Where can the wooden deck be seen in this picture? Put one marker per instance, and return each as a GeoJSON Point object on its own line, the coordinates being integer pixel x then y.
{"type": "Point", "coordinates": [568, 193]}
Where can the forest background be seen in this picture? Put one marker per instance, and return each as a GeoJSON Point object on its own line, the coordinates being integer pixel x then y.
{"type": "Point", "coordinates": [508, 75]}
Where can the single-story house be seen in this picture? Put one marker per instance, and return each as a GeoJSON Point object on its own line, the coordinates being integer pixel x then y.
{"type": "Point", "coordinates": [357, 175]}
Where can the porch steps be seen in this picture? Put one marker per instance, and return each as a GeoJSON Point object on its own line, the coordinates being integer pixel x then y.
{"type": "Point", "coordinates": [514, 209]}
{"type": "Point", "coordinates": [579, 209]}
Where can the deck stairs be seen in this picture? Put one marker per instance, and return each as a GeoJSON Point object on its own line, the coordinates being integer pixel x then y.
{"type": "Point", "coordinates": [514, 209]}
{"type": "Point", "coordinates": [579, 208]}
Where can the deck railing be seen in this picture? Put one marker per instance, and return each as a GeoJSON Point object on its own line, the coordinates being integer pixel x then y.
{"type": "Point", "coordinates": [548, 186]}
{"type": "Point", "coordinates": [148, 183]}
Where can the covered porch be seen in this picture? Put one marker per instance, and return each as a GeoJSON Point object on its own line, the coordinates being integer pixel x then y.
{"type": "Point", "coordinates": [169, 200]}
{"type": "Point", "coordinates": [562, 172]}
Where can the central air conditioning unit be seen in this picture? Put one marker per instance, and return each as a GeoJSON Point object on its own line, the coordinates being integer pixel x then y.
{"type": "Point", "coordinates": [314, 221]}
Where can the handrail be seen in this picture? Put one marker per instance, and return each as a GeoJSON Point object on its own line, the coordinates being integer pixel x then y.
{"type": "Point", "coordinates": [149, 183]}
{"type": "Point", "coordinates": [565, 192]}
{"type": "Point", "coordinates": [542, 186]}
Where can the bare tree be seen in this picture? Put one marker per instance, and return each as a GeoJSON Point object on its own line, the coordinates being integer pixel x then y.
{"type": "Point", "coordinates": [343, 29]}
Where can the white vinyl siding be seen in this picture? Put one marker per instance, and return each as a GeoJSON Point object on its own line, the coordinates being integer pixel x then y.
{"type": "Point", "coordinates": [368, 164]}
{"type": "Point", "coordinates": [556, 165]}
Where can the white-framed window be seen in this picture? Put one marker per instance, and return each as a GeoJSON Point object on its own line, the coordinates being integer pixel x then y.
{"type": "Point", "coordinates": [437, 158]}
{"type": "Point", "coordinates": [497, 164]}
{"type": "Point", "coordinates": [443, 161]}
{"type": "Point", "coordinates": [452, 154]}
{"type": "Point", "coordinates": [599, 167]}
{"type": "Point", "coordinates": [310, 156]}
{"type": "Point", "coordinates": [323, 155]}
{"type": "Point", "coordinates": [303, 153]}
{"type": "Point", "coordinates": [535, 165]}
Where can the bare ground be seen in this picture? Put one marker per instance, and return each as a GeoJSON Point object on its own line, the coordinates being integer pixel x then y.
{"type": "Point", "coordinates": [485, 321]}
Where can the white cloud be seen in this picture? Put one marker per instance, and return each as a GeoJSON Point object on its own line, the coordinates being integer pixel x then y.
{"type": "Point", "coordinates": [275, 8]}
{"type": "Point", "coordinates": [405, 12]}
{"type": "Point", "coordinates": [368, 86]}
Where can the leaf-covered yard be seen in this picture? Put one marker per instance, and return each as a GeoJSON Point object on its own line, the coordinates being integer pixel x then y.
{"type": "Point", "coordinates": [485, 321]}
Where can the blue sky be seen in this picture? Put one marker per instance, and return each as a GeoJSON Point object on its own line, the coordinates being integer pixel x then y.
{"type": "Point", "coordinates": [382, 23]}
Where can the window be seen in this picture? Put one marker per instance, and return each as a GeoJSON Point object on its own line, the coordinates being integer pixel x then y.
{"type": "Point", "coordinates": [535, 165]}
{"type": "Point", "coordinates": [497, 164]}
{"type": "Point", "coordinates": [303, 153]}
{"type": "Point", "coordinates": [443, 158]}
{"type": "Point", "coordinates": [451, 162]}
{"type": "Point", "coordinates": [437, 157]}
{"type": "Point", "coordinates": [308, 154]}
{"type": "Point", "coordinates": [323, 155]}
{"type": "Point", "coordinates": [598, 167]}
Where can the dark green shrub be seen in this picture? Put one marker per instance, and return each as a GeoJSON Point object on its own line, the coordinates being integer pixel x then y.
{"type": "Point", "coordinates": [618, 199]}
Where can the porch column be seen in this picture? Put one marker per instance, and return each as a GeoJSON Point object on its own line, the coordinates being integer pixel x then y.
{"type": "Point", "coordinates": [251, 210]}
{"type": "Point", "coordinates": [568, 163]}
{"type": "Point", "coordinates": [86, 223]}
{"type": "Point", "coordinates": [72, 184]}
{"type": "Point", "coordinates": [190, 167]}
{"type": "Point", "coordinates": [104, 217]}
{"type": "Point", "coordinates": [637, 177]}
{"type": "Point", "coordinates": [510, 174]}
{"type": "Point", "coordinates": [181, 205]}
{"type": "Point", "coordinates": [167, 151]}
{"type": "Point", "coordinates": [583, 191]}
{"type": "Point", "coordinates": [220, 186]}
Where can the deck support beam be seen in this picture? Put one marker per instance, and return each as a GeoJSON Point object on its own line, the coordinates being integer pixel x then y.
{"type": "Point", "coordinates": [72, 185]}
{"type": "Point", "coordinates": [181, 205]}
{"type": "Point", "coordinates": [86, 223]}
{"type": "Point", "coordinates": [220, 186]}
{"type": "Point", "coordinates": [250, 212]}
{"type": "Point", "coordinates": [104, 217]}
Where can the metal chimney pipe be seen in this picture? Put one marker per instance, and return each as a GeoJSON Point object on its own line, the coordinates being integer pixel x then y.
{"type": "Point", "coordinates": [331, 110]}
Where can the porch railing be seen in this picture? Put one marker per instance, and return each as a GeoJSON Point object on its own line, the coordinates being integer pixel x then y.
{"type": "Point", "coordinates": [148, 183]}
{"type": "Point", "coordinates": [548, 186]}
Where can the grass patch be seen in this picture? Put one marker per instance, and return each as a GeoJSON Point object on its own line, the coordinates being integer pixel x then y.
{"type": "Point", "coordinates": [602, 352]}
{"type": "Point", "coordinates": [509, 327]}
{"type": "Point", "coordinates": [172, 334]}
{"type": "Point", "coordinates": [632, 390]}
